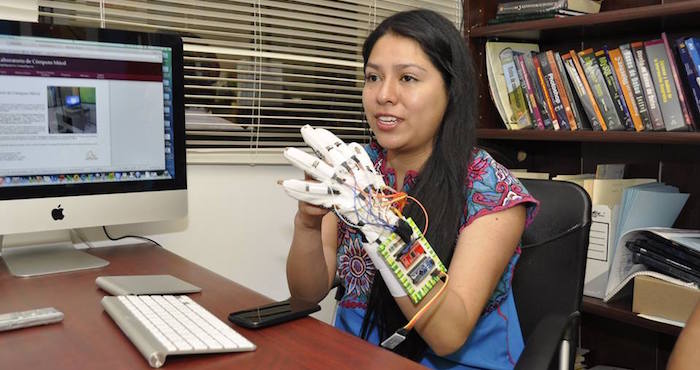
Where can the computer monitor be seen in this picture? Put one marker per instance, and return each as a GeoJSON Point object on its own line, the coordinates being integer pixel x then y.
{"type": "Point", "coordinates": [91, 134]}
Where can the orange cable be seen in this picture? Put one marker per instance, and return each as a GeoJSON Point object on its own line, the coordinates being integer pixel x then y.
{"type": "Point", "coordinates": [420, 312]}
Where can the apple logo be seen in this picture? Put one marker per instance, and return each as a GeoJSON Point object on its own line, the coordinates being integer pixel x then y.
{"type": "Point", "coordinates": [57, 213]}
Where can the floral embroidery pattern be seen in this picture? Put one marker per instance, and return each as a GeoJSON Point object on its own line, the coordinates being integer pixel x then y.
{"type": "Point", "coordinates": [355, 268]}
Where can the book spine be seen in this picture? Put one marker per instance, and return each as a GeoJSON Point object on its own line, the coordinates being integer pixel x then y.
{"type": "Point", "coordinates": [535, 6]}
{"type": "Point", "coordinates": [613, 88]}
{"type": "Point", "coordinates": [529, 6]}
{"type": "Point", "coordinates": [665, 87]}
{"type": "Point", "coordinates": [636, 84]}
{"type": "Point", "coordinates": [523, 87]}
{"type": "Point", "coordinates": [527, 81]}
{"type": "Point", "coordinates": [620, 70]}
{"type": "Point", "coordinates": [537, 89]}
{"type": "Point", "coordinates": [553, 91]}
{"type": "Point", "coordinates": [640, 58]}
{"type": "Point", "coordinates": [600, 90]}
{"type": "Point", "coordinates": [573, 99]}
{"type": "Point", "coordinates": [547, 99]}
{"type": "Point", "coordinates": [679, 89]}
{"type": "Point", "coordinates": [520, 118]}
{"type": "Point", "coordinates": [584, 100]}
{"type": "Point", "coordinates": [598, 124]}
{"type": "Point", "coordinates": [558, 80]}
{"type": "Point", "coordinates": [690, 73]}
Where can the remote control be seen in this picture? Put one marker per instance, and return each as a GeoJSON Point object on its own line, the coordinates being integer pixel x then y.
{"type": "Point", "coordinates": [24, 319]}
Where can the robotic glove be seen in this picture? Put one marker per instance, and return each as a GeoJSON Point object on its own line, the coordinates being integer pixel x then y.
{"type": "Point", "coordinates": [348, 184]}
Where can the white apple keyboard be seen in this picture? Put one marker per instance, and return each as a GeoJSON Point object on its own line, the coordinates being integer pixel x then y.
{"type": "Point", "coordinates": [162, 325]}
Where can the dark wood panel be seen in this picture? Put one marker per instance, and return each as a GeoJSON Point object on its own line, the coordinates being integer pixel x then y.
{"type": "Point", "coordinates": [621, 310]}
{"type": "Point", "coordinates": [687, 177]}
{"type": "Point", "coordinates": [616, 343]}
{"type": "Point", "coordinates": [614, 334]}
{"type": "Point", "coordinates": [89, 339]}
{"type": "Point", "coordinates": [618, 337]}
{"type": "Point", "coordinates": [592, 136]}
{"type": "Point", "coordinates": [606, 23]}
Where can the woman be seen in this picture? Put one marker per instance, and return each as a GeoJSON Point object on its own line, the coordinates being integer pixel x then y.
{"type": "Point", "coordinates": [419, 99]}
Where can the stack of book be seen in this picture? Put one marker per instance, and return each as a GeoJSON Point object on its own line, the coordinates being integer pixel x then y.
{"type": "Point", "coordinates": [517, 11]}
{"type": "Point", "coordinates": [636, 86]}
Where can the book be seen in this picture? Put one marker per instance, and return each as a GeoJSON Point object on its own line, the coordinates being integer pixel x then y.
{"type": "Point", "coordinates": [600, 91]}
{"type": "Point", "coordinates": [669, 100]}
{"type": "Point", "coordinates": [561, 90]}
{"type": "Point", "coordinates": [496, 79]}
{"type": "Point", "coordinates": [537, 90]}
{"type": "Point", "coordinates": [584, 90]}
{"type": "Point", "coordinates": [521, 17]}
{"type": "Point", "coordinates": [624, 269]}
{"type": "Point", "coordinates": [679, 88]}
{"type": "Point", "coordinates": [613, 87]}
{"type": "Point", "coordinates": [523, 85]}
{"type": "Point", "coordinates": [652, 204]}
{"type": "Point", "coordinates": [620, 70]}
{"type": "Point", "coordinates": [526, 79]}
{"type": "Point", "coordinates": [545, 91]}
{"type": "Point", "coordinates": [610, 171]}
{"type": "Point", "coordinates": [640, 58]}
{"type": "Point", "coordinates": [641, 206]}
{"type": "Point", "coordinates": [553, 90]}
{"type": "Point", "coordinates": [691, 75]}
{"type": "Point", "coordinates": [574, 101]}
{"type": "Point", "coordinates": [606, 196]}
{"type": "Point", "coordinates": [520, 117]}
{"type": "Point", "coordinates": [534, 6]}
{"type": "Point", "coordinates": [636, 84]}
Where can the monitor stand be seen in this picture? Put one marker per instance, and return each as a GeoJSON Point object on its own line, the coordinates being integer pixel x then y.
{"type": "Point", "coordinates": [46, 253]}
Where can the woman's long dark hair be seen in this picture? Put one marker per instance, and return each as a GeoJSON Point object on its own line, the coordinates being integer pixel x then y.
{"type": "Point", "coordinates": [440, 185]}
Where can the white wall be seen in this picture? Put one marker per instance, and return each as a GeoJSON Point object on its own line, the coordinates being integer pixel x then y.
{"type": "Point", "coordinates": [239, 225]}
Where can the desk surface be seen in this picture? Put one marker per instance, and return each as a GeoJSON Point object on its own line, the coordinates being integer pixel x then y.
{"type": "Point", "coordinates": [89, 339]}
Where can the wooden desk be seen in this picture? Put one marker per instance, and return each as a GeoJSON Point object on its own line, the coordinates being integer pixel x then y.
{"type": "Point", "coordinates": [89, 339]}
{"type": "Point", "coordinates": [616, 336]}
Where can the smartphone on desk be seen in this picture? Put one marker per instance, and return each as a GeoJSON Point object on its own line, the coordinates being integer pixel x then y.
{"type": "Point", "coordinates": [273, 313]}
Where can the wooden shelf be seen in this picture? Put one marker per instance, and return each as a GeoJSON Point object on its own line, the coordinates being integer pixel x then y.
{"type": "Point", "coordinates": [591, 136]}
{"type": "Point", "coordinates": [532, 29]}
{"type": "Point", "coordinates": [622, 311]}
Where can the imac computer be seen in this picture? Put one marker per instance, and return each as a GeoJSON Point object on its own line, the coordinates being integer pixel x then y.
{"type": "Point", "coordinates": [91, 134]}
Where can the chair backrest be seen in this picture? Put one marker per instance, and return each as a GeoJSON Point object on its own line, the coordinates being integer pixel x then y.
{"type": "Point", "coordinates": [549, 276]}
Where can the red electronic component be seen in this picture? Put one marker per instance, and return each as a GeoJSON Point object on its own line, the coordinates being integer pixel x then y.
{"type": "Point", "coordinates": [408, 258]}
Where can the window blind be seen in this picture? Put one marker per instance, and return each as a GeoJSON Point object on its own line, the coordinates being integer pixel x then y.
{"type": "Point", "coordinates": [258, 70]}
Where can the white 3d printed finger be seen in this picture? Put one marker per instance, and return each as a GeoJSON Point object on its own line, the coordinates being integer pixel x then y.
{"type": "Point", "coordinates": [308, 163]}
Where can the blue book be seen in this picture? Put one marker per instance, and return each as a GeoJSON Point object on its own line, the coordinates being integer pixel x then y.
{"type": "Point", "coordinates": [690, 70]}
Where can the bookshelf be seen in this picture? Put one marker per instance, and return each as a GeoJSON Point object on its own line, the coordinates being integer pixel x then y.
{"type": "Point", "coordinates": [673, 157]}
{"type": "Point", "coordinates": [613, 334]}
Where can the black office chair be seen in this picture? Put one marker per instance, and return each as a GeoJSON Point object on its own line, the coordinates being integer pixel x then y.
{"type": "Point", "coordinates": [548, 279]}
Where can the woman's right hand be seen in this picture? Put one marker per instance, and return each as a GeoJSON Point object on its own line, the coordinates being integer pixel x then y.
{"type": "Point", "coordinates": [309, 216]}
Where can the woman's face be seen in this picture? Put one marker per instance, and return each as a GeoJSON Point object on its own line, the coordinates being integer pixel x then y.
{"type": "Point", "coordinates": [404, 96]}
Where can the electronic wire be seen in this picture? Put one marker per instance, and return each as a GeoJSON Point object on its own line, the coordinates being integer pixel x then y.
{"type": "Point", "coordinates": [423, 309]}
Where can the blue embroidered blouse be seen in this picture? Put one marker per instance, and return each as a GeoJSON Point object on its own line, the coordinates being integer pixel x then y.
{"type": "Point", "coordinates": [496, 341]}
